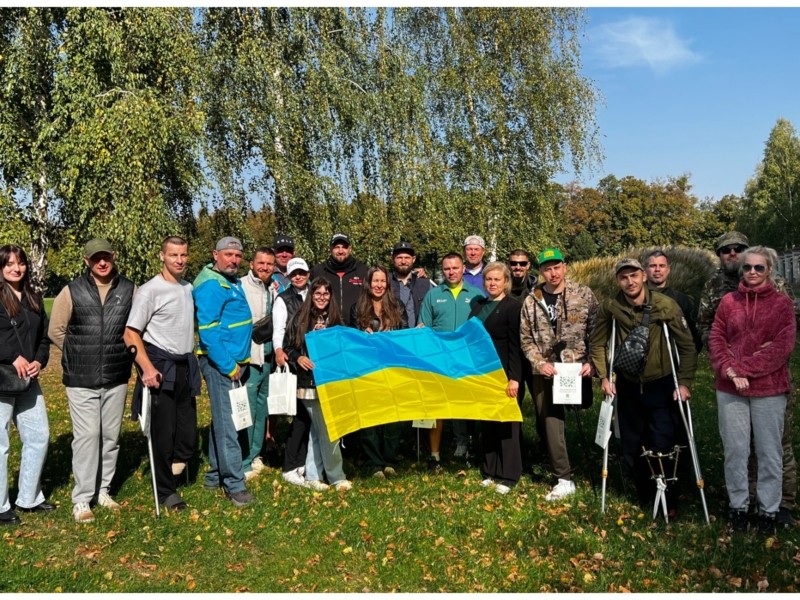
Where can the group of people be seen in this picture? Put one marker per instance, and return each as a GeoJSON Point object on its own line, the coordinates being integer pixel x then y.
{"type": "Point", "coordinates": [102, 323]}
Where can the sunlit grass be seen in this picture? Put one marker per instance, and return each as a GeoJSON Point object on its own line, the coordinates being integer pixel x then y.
{"type": "Point", "coordinates": [416, 533]}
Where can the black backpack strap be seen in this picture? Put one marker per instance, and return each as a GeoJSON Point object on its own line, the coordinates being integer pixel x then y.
{"type": "Point", "coordinates": [646, 317]}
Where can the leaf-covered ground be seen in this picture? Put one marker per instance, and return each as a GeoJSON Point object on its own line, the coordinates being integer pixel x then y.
{"type": "Point", "coordinates": [417, 532]}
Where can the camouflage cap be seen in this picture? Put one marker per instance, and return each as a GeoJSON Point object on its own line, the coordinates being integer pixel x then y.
{"type": "Point", "coordinates": [732, 238]}
{"type": "Point", "coordinates": [628, 262]}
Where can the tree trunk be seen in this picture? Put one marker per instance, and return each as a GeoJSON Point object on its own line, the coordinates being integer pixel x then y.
{"type": "Point", "coordinates": [40, 237]}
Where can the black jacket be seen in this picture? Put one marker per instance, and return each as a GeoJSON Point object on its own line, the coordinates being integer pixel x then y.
{"type": "Point", "coordinates": [32, 328]}
{"type": "Point", "coordinates": [94, 352]}
{"type": "Point", "coordinates": [347, 286]}
{"type": "Point", "coordinates": [503, 327]}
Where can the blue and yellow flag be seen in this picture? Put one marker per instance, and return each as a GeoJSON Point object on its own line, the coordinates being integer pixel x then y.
{"type": "Point", "coordinates": [369, 379]}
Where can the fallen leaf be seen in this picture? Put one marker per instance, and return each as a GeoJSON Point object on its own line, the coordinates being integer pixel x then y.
{"type": "Point", "coordinates": [735, 581]}
{"type": "Point", "coordinates": [763, 584]}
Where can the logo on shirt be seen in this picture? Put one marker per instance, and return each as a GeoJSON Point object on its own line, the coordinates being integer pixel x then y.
{"type": "Point", "coordinates": [355, 280]}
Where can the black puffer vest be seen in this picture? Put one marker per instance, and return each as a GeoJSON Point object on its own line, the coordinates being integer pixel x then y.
{"type": "Point", "coordinates": [94, 350]}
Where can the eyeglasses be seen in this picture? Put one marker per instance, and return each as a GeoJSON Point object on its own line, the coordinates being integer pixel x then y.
{"type": "Point", "coordinates": [298, 274]}
{"type": "Point", "coordinates": [757, 268]}
{"type": "Point", "coordinates": [322, 295]}
{"type": "Point", "coordinates": [518, 263]}
{"type": "Point", "coordinates": [729, 249]}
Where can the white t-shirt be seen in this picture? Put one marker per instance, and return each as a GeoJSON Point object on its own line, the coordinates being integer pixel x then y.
{"type": "Point", "coordinates": [164, 313]}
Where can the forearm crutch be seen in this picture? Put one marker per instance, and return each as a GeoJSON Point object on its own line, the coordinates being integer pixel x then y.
{"type": "Point", "coordinates": [686, 416]}
{"type": "Point", "coordinates": [145, 423]}
{"type": "Point", "coordinates": [610, 399]}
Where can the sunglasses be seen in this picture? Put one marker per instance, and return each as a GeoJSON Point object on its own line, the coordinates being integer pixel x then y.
{"type": "Point", "coordinates": [730, 249]}
{"type": "Point", "coordinates": [757, 268]}
{"type": "Point", "coordinates": [518, 263]}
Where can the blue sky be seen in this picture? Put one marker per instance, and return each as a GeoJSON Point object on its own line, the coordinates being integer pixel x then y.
{"type": "Point", "coordinates": [690, 91]}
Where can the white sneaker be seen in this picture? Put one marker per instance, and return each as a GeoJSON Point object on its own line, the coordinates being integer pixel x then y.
{"type": "Point", "coordinates": [502, 489]}
{"type": "Point", "coordinates": [343, 485]}
{"type": "Point", "coordinates": [257, 464]}
{"type": "Point", "coordinates": [562, 489]}
{"type": "Point", "coordinates": [488, 482]}
{"type": "Point", "coordinates": [317, 486]}
{"type": "Point", "coordinates": [461, 451]}
{"type": "Point", "coordinates": [389, 471]}
{"type": "Point", "coordinates": [294, 478]}
{"type": "Point", "coordinates": [82, 513]}
{"type": "Point", "coordinates": [107, 501]}
{"type": "Point", "coordinates": [379, 475]}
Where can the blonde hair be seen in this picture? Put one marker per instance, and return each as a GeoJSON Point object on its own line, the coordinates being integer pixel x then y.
{"type": "Point", "coordinates": [502, 267]}
{"type": "Point", "coordinates": [769, 255]}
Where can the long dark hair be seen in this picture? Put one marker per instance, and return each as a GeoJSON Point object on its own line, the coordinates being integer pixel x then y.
{"type": "Point", "coordinates": [306, 317]}
{"type": "Point", "coordinates": [8, 298]}
{"type": "Point", "coordinates": [390, 307]}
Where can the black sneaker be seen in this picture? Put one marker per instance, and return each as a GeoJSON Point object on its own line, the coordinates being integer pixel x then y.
{"type": "Point", "coordinates": [739, 521]}
{"type": "Point", "coordinates": [434, 465]}
{"type": "Point", "coordinates": [766, 525]}
{"type": "Point", "coordinates": [784, 518]}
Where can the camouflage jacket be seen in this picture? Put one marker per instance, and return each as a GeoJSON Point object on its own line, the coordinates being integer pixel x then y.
{"type": "Point", "coordinates": [713, 291]}
{"type": "Point", "coordinates": [577, 312]}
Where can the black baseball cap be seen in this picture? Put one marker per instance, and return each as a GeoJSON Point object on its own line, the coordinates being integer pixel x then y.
{"type": "Point", "coordinates": [283, 241]}
{"type": "Point", "coordinates": [403, 246]}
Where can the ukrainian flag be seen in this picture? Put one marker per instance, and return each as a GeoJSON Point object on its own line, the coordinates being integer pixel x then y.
{"type": "Point", "coordinates": [369, 379]}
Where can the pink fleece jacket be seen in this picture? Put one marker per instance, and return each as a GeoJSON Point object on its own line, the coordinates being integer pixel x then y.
{"type": "Point", "coordinates": [753, 332]}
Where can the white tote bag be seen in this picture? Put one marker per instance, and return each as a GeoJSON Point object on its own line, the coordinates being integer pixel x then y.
{"type": "Point", "coordinates": [240, 407]}
{"type": "Point", "coordinates": [603, 433]}
{"type": "Point", "coordinates": [282, 399]}
{"type": "Point", "coordinates": [567, 383]}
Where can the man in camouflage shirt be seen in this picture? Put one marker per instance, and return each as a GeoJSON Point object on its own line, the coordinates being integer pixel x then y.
{"type": "Point", "coordinates": [556, 322]}
{"type": "Point", "coordinates": [728, 247]}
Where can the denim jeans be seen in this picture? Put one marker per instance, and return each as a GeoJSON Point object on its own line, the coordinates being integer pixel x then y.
{"type": "Point", "coordinates": [224, 451]}
{"type": "Point", "coordinates": [30, 417]}
{"type": "Point", "coordinates": [739, 415]}
{"type": "Point", "coordinates": [257, 391]}
{"type": "Point", "coordinates": [322, 453]}
{"type": "Point", "coordinates": [96, 420]}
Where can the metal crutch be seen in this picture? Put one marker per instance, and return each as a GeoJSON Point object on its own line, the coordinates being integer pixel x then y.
{"type": "Point", "coordinates": [145, 417]}
{"type": "Point", "coordinates": [609, 399]}
{"type": "Point", "coordinates": [686, 416]}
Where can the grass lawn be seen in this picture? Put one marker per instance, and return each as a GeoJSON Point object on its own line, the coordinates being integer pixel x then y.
{"type": "Point", "coordinates": [415, 533]}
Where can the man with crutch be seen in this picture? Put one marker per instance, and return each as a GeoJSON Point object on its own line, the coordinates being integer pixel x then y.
{"type": "Point", "coordinates": [647, 410]}
{"type": "Point", "coordinates": [161, 329]}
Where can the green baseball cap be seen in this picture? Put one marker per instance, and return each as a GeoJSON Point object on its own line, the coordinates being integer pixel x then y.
{"type": "Point", "coordinates": [96, 245]}
{"type": "Point", "coordinates": [550, 254]}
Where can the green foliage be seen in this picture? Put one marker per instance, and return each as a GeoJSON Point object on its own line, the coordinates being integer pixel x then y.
{"type": "Point", "coordinates": [100, 126]}
{"type": "Point", "coordinates": [769, 212]}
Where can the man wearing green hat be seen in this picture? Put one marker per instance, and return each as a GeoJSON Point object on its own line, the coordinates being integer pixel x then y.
{"type": "Point", "coordinates": [88, 324]}
{"type": "Point", "coordinates": [557, 319]}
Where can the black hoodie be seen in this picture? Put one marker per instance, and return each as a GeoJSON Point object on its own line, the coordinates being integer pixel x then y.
{"type": "Point", "coordinates": [346, 279]}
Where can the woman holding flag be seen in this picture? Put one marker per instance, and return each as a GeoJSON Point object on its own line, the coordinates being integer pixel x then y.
{"type": "Point", "coordinates": [377, 309]}
{"type": "Point", "coordinates": [500, 314]}
{"type": "Point", "coordinates": [319, 310]}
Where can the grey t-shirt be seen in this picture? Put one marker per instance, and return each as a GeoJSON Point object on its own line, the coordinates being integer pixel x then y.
{"type": "Point", "coordinates": [164, 313]}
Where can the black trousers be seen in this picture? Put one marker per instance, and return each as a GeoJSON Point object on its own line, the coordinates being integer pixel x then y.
{"type": "Point", "coordinates": [297, 442]}
{"type": "Point", "coordinates": [502, 458]}
{"type": "Point", "coordinates": [648, 419]}
{"type": "Point", "coordinates": [173, 430]}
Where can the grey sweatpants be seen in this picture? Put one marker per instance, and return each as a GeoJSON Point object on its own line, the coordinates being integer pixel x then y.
{"type": "Point", "coordinates": [765, 416]}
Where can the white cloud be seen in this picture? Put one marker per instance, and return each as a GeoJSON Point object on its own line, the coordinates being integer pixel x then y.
{"type": "Point", "coordinates": [640, 41]}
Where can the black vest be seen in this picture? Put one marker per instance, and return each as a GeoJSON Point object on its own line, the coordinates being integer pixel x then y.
{"type": "Point", "coordinates": [94, 350]}
{"type": "Point", "coordinates": [293, 301]}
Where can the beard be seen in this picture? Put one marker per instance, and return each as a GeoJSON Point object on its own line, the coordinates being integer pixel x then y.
{"type": "Point", "coordinates": [403, 269]}
{"type": "Point", "coordinates": [730, 268]}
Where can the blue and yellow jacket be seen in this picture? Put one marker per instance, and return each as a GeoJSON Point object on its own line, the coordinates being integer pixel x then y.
{"type": "Point", "coordinates": [224, 322]}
